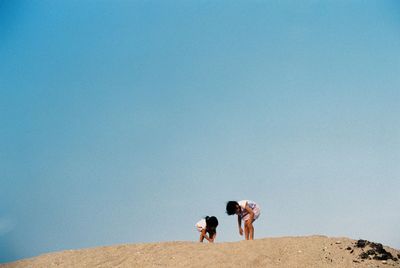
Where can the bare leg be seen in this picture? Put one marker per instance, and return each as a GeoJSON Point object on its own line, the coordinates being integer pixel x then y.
{"type": "Point", "coordinates": [246, 231]}
{"type": "Point", "coordinates": [201, 237]}
{"type": "Point", "coordinates": [251, 230]}
{"type": "Point", "coordinates": [213, 237]}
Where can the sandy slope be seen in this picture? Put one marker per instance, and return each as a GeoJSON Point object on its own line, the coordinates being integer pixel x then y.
{"type": "Point", "coordinates": [311, 251]}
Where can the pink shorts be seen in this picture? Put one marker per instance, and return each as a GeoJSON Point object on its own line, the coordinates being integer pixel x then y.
{"type": "Point", "coordinates": [256, 212]}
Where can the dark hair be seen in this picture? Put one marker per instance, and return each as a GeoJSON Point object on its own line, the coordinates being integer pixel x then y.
{"type": "Point", "coordinates": [212, 222]}
{"type": "Point", "coordinates": [231, 207]}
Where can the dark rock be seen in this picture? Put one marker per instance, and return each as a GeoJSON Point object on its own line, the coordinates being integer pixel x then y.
{"type": "Point", "coordinates": [384, 256]}
{"type": "Point", "coordinates": [381, 253]}
{"type": "Point", "coordinates": [352, 251]}
{"type": "Point", "coordinates": [361, 243]}
{"type": "Point", "coordinates": [378, 248]}
{"type": "Point", "coordinates": [395, 259]}
{"type": "Point", "coordinates": [348, 248]}
{"type": "Point", "coordinates": [377, 251]}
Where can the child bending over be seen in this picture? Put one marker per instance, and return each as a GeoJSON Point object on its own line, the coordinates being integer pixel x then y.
{"type": "Point", "coordinates": [207, 225]}
{"type": "Point", "coordinates": [246, 210]}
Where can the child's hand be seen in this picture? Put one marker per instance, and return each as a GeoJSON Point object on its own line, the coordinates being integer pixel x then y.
{"type": "Point", "coordinates": [240, 231]}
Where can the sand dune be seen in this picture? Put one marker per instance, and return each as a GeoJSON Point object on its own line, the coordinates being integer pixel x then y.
{"type": "Point", "coordinates": [310, 251]}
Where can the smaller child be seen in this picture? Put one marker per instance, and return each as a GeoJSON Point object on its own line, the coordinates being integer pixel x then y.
{"type": "Point", "coordinates": [246, 210]}
{"type": "Point", "coordinates": [207, 225]}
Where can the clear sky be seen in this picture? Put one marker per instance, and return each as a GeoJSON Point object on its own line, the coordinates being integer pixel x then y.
{"type": "Point", "coordinates": [128, 121]}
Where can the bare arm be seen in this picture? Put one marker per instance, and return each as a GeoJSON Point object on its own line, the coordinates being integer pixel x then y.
{"type": "Point", "coordinates": [240, 225]}
{"type": "Point", "coordinates": [203, 235]}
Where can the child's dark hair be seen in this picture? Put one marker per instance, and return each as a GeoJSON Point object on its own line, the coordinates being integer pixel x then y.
{"type": "Point", "coordinates": [212, 222]}
{"type": "Point", "coordinates": [231, 207]}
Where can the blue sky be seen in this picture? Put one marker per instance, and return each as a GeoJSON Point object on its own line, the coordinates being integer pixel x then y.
{"type": "Point", "coordinates": [127, 121]}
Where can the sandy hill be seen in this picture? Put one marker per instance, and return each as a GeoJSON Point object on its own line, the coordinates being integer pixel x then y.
{"type": "Point", "coordinates": [310, 251]}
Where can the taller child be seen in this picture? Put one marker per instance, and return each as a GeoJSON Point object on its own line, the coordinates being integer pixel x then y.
{"type": "Point", "coordinates": [246, 210]}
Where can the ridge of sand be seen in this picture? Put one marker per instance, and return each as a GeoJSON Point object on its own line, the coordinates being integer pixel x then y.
{"type": "Point", "coordinates": [306, 251]}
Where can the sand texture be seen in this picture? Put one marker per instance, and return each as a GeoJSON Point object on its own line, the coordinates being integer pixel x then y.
{"type": "Point", "coordinates": [310, 251]}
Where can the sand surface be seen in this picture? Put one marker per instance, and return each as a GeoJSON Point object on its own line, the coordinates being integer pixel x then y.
{"type": "Point", "coordinates": [310, 251]}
